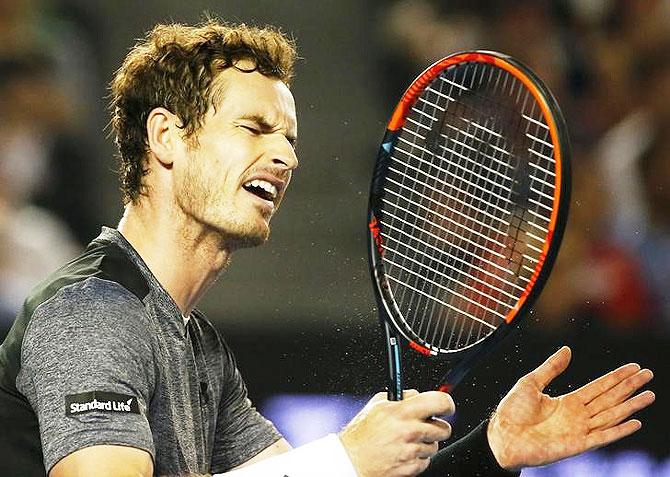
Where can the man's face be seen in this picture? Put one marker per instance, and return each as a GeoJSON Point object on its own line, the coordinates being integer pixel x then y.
{"type": "Point", "coordinates": [234, 178]}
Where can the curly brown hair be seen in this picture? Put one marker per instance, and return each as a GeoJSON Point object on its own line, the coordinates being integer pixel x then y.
{"type": "Point", "coordinates": [174, 67]}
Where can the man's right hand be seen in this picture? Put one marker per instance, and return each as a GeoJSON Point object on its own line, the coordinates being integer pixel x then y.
{"type": "Point", "coordinates": [397, 439]}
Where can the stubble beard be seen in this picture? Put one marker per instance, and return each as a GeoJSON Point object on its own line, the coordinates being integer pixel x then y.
{"type": "Point", "coordinates": [206, 205]}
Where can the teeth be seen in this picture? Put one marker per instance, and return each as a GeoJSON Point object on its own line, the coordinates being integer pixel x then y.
{"type": "Point", "coordinates": [265, 185]}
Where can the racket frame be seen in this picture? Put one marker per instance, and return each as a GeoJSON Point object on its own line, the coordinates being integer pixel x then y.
{"type": "Point", "coordinates": [389, 314]}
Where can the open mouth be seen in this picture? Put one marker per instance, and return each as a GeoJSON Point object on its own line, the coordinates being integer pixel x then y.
{"type": "Point", "coordinates": [262, 189]}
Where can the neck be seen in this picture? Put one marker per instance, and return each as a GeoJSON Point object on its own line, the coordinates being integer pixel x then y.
{"type": "Point", "coordinates": [185, 257]}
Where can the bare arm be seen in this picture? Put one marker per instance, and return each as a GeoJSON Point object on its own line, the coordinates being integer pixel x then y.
{"type": "Point", "coordinates": [123, 461]}
{"type": "Point", "coordinates": [386, 439]}
{"type": "Point", "coordinates": [279, 447]}
{"type": "Point", "coordinates": [105, 461]}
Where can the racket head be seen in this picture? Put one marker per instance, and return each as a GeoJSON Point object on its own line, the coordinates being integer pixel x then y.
{"type": "Point", "coordinates": [468, 202]}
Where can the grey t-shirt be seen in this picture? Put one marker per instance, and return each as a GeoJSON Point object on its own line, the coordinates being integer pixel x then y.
{"type": "Point", "coordinates": [102, 355]}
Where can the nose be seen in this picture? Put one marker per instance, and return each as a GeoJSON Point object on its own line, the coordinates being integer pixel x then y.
{"type": "Point", "coordinates": [284, 155]}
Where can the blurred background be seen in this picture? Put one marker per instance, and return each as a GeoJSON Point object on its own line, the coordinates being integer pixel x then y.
{"type": "Point", "coordinates": [299, 311]}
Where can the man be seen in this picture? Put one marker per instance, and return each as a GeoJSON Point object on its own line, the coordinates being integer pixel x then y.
{"type": "Point", "coordinates": [109, 370]}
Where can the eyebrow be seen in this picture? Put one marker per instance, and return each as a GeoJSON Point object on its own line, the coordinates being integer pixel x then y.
{"type": "Point", "coordinates": [265, 126]}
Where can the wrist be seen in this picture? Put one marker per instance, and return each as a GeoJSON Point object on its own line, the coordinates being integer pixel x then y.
{"type": "Point", "coordinates": [350, 450]}
{"type": "Point", "coordinates": [325, 457]}
{"type": "Point", "coordinates": [499, 444]}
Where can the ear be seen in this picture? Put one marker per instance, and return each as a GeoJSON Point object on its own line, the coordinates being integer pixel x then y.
{"type": "Point", "coordinates": [163, 135]}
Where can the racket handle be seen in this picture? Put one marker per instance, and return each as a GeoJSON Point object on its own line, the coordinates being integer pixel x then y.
{"type": "Point", "coordinates": [394, 388]}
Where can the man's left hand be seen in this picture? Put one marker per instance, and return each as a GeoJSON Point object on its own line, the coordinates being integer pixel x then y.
{"type": "Point", "coordinates": [530, 428]}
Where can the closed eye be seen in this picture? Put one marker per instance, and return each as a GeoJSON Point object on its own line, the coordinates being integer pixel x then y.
{"type": "Point", "coordinates": [251, 129]}
{"type": "Point", "coordinates": [260, 126]}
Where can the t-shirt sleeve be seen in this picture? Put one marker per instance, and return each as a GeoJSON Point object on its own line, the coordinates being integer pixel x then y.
{"type": "Point", "coordinates": [241, 431]}
{"type": "Point", "coordinates": [87, 369]}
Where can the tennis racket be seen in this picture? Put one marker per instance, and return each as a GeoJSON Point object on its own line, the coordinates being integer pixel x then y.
{"type": "Point", "coordinates": [468, 204]}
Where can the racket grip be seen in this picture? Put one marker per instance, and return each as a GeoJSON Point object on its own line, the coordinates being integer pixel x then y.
{"type": "Point", "coordinates": [394, 387]}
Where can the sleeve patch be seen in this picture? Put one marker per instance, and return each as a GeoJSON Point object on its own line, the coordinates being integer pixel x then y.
{"type": "Point", "coordinates": [100, 401]}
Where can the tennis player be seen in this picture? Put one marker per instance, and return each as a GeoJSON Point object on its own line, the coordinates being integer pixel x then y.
{"type": "Point", "coordinates": [109, 370]}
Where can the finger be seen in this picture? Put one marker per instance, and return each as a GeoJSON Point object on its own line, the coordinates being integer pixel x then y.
{"type": "Point", "coordinates": [595, 388]}
{"type": "Point", "coordinates": [552, 367]}
{"type": "Point", "coordinates": [616, 414]}
{"type": "Point", "coordinates": [620, 392]}
{"type": "Point", "coordinates": [427, 431]}
{"type": "Point", "coordinates": [415, 467]}
{"type": "Point", "coordinates": [435, 430]}
{"type": "Point", "coordinates": [606, 436]}
{"type": "Point", "coordinates": [408, 393]}
{"type": "Point", "coordinates": [439, 422]}
{"type": "Point", "coordinates": [427, 404]}
{"type": "Point", "coordinates": [427, 450]}
{"type": "Point", "coordinates": [417, 450]}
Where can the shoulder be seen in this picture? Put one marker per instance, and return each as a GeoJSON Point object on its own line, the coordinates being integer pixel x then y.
{"type": "Point", "coordinates": [101, 284]}
{"type": "Point", "coordinates": [97, 297]}
{"type": "Point", "coordinates": [85, 299]}
{"type": "Point", "coordinates": [89, 332]}
{"type": "Point", "coordinates": [103, 272]}
{"type": "Point", "coordinates": [94, 300]}
{"type": "Point", "coordinates": [93, 314]}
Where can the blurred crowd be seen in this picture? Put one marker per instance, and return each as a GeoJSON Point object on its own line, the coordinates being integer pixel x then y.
{"type": "Point", "coordinates": [608, 64]}
{"type": "Point", "coordinates": [46, 204]}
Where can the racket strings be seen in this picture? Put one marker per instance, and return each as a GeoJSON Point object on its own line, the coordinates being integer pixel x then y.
{"type": "Point", "coordinates": [471, 309]}
{"type": "Point", "coordinates": [467, 202]}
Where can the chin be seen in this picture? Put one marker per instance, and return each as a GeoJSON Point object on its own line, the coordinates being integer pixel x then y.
{"type": "Point", "coordinates": [246, 238]}
{"type": "Point", "coordinates": [249, 241]}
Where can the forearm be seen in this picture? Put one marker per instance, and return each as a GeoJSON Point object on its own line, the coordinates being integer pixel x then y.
{"type": "Point", "coordinates": [469, 456]}
{"type": "Point", "coordinates": [324, 457]}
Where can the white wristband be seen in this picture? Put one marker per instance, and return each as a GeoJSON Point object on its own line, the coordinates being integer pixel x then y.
{"type": "Point", "coordinates": [324, 457]}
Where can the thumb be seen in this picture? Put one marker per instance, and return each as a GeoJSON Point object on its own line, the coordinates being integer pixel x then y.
{"type": "Point", "coordinates": [379, 397]}
{"type": "Point", "coordinates": [551, 368]}
{"type": "Point", "coordinates": [408, 393]}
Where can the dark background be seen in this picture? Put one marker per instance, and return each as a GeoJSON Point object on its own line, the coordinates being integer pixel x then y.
{"type": "Point", "coordinates": [299, 311]}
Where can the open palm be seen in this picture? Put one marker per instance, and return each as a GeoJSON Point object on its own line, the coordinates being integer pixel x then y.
{"type": "Point", "coordinates": [531, 428]}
